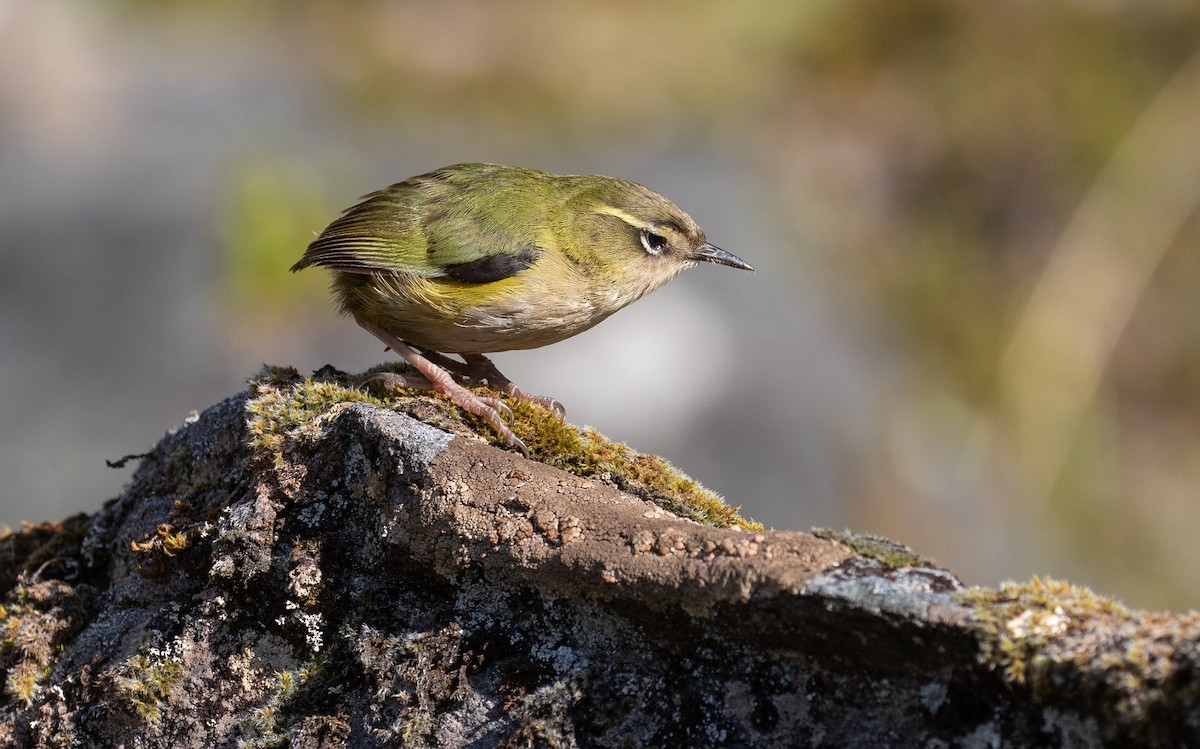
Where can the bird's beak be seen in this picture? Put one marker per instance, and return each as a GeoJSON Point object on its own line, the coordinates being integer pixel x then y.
{"type": "Point", "coordinates": [714, 254]}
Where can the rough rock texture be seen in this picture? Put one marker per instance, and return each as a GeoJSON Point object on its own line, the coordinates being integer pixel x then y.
{"type": "Point", "coordinates": [303, 566]}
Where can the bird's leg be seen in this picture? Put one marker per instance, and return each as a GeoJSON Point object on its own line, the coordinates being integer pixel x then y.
{"type": "Point", "coordinates": [479, 367]}
{"type": "Point", "coordinates": [438, 379]}
{"type": "Point", "coordinates": [445, 362]}
{"type": "Point", "coordinates": [433, 359]}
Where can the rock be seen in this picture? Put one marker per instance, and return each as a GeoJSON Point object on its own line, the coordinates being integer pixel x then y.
{"type": "Point", "coordinates": [309, 565]}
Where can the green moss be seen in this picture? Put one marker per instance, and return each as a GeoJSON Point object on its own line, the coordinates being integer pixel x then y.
{"type": "Point", "coordinates": [588, 453]}
{"type": "Point", "coordinates": [178, 465]}
{"type": "Point", "coordinates": [264, 727]}
{"type": "Point", "coordinates": [26, 648]}
{"type": "Point", "coordinates": [1068, 645]}
{"type": "Point", "coordinates": [24, 679]}
{"type": "Point", "coordinates": [880, 549]}
{"type": "Point", "coordinates": [284, 406]}
{"type": "Point", "coordinates": [1019, 622]}
{"type": "Point", "coordinates": [145, 680]}
{"type": "Point", "coordinates": [544, 715]}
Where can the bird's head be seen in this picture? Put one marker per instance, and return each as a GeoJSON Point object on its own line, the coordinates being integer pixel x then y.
{"type": "Point", "coordinates": [642, 236]}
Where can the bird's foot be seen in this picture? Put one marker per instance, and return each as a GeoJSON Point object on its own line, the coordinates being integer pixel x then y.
{"type": "Point", "coordinates": [395, 381]}
{"type": "Point", "coordinates": [480, 368]}
{"type": "Point", "coordinates": [489, 409]}
{"type": "Point", "coordinates": [433, 377]}
{"type": "Point", "coordinates": [545, 401]}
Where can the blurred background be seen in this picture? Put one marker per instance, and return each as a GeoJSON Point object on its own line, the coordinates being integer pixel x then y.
{"type": "Point", "coordinates": [975, 327]}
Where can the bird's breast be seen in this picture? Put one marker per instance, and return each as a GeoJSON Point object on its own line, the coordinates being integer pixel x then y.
{"type": "Point", "coordinates": [454, 317]}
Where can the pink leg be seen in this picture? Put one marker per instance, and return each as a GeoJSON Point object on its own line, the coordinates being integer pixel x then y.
{"type": "Point", "coordinates": [480, 368]}
{"type": "Point", "coordinates": [436, 378]}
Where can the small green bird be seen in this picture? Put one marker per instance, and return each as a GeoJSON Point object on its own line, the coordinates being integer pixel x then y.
{"type": "Point", "coordinates": [477, 258]}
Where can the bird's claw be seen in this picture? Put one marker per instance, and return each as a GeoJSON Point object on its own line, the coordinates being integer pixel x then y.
{"type": "Point", "coordinates": [506, 434]}
{"type": "Point", "coordinates": [497, 405]}
{"type": "Point", "coordinates": [545, 401]}
{"type": "Point", "coordinates": [548, 403]}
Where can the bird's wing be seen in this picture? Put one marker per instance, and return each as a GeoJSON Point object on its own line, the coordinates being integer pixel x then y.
{"type": "Point", "coordinates": [380, 233]}
{"type": "Point", "coordinates": [431, 228]}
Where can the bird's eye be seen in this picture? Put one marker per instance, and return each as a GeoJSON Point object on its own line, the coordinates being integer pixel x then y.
{"type": "Point", "coordinates": [654, 243]}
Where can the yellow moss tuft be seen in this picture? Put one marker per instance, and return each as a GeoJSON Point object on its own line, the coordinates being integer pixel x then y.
{"type": "Point", "coordinates": [166, 541]}
{"type": "Point", "coordinates": [24, 679]}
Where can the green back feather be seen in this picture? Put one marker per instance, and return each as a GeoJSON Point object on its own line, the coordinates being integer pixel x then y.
{"type": "Point", "coordinates": [451, 217]}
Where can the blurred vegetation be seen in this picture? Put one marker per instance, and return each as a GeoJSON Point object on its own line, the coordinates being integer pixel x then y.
{"type": "Point", "coordinates": [937, 155]}
{"type": "Point", "coordinates": [270, 208]}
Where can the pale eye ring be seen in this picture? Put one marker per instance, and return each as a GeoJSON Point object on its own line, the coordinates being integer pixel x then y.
{"type": "Point", "coordinates": [654, 243]}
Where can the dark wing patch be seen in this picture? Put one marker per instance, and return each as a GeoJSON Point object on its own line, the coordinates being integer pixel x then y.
{"type": "Point", "coordinates": [493, 267]}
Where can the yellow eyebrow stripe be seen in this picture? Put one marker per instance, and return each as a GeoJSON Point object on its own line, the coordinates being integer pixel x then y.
{"type": "Point", "coordinates": [625, 216]}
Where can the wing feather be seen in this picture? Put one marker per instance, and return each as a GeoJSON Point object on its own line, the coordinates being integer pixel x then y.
{"type": "Point", "coordinates": [437, 226]}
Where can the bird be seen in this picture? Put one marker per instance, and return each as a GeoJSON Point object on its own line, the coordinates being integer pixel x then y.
{"type": "Point", "coordinates": [473, 259]}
